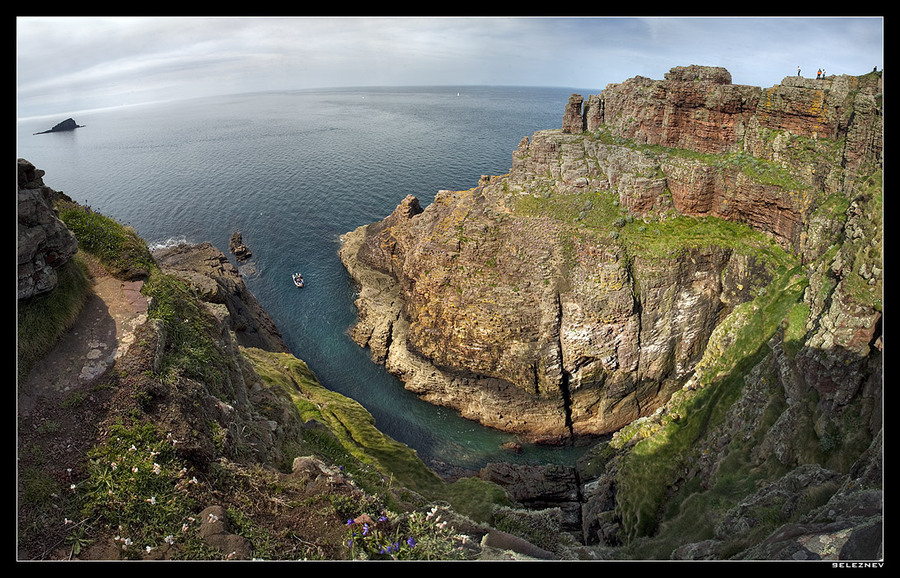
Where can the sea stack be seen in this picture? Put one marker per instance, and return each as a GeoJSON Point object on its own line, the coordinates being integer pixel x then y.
{"type": "Point", "coordinates": [66, 125]}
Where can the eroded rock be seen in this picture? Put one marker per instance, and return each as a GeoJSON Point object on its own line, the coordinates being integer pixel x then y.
{"type": "Point", "coordinates": [44, 242]}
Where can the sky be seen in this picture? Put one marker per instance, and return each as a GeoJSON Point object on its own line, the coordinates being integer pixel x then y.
{"type": "Point", "coordinates": [70, 64]}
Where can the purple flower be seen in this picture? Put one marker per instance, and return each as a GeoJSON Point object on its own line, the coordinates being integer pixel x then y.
{"type": "Point", "coordinates": [365, 529]}
{"type": "Point", "coordinates": [411, 542]}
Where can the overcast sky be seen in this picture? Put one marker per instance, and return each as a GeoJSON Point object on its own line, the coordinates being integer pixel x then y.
{"type": "Point", "coordinates": [70, 64]}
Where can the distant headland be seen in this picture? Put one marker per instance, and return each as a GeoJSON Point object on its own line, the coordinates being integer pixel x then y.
{"type": "Point", "coordinates": [65, 125]}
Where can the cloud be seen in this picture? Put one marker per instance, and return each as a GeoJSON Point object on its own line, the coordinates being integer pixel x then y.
{"type": "Point", "coordinates": [74, 63]}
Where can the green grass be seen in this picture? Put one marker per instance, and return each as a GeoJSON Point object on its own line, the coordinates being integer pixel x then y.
{"type": "Point", "coordinates": [360, 446]}
{"type": "Point", "coordinates": [190, 332]}
{"type": "Point", "coordinates": [760, 170]}
{"type": "Point", "coordinates": [599, 214]}
{"type": "Point", "coordinates": [351, 423]}
{"type": "Point", "coordinates": [137, 484]}
{"type": "Point", "coordinates": [118, 247]}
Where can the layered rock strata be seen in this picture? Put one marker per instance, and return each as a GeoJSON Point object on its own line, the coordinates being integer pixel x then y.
{"type": "Point", "coordinates": [544, 322]}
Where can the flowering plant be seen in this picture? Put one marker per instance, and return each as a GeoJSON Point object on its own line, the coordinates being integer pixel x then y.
{"type": "Point", "coordinates": [419, 536]}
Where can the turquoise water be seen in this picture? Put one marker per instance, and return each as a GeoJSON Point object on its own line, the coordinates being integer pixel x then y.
{"type": "Point", "coordinates": [293, 171]}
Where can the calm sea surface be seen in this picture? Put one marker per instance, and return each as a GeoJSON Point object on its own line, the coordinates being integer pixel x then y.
{"type": "Point", "coordinates": [293, 171]}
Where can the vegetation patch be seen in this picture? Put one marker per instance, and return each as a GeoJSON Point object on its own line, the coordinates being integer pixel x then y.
{"type": "Point", "coordinates": [427, 535]}
{"type": "Point", "coordinates": [191, 349]}
{"type": "Point", "coordinates": [351, 423]}
{"type": "Point", "coordinates": [599, 214]}
{"type": "Point", "coordinates": [360, 446]}
{"type": "Point", "coordinates": [137, 485]}
{"type": "Point", "coordinates": [117, 246]}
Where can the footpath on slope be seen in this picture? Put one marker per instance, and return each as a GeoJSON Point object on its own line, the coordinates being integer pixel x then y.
{"type": "Point", "coordinates": [103, 330]}
{"type": "Point", "coordinates": [62, 403]}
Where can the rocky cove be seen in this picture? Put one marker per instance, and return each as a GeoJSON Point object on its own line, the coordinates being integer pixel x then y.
{"type": "Point", "coordinates": [686, 278]}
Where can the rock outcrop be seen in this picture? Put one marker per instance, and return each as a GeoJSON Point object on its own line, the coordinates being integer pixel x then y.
{"type": "Point", "coordinates": [238, 248]}
{"type": "Point", "coordinates": [218, 283]}
{"type": "Point", "coordinates": [44, 242]}
{"type": "Point", "coordinates": [66, 125]}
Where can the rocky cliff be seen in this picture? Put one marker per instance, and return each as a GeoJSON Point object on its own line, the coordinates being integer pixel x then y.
{"type": "Point", "coordinates": [200, 437]}
{"type": "Point", "coordinates": [691, 264]}
{"type": "Point", "coordinates": [576, 293]}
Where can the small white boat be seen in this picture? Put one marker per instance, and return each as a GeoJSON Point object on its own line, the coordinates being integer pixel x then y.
{"type": "Point", "coordinates": [298, 279]}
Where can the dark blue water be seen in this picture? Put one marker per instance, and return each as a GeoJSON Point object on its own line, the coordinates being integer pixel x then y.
{"type": "Point", "coordinates": [293, 171]}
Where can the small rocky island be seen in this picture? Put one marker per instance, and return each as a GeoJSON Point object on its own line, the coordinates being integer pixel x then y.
{"type": "Point", "coordinates": [66, 125]}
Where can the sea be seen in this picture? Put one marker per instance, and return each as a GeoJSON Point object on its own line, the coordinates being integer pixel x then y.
{"type": "Point", "coordinates": [293, 171]}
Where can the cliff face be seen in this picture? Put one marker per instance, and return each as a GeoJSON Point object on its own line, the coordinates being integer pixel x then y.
{"type": "Point", "coordinates": [693, 265]}
{"type": "Point", "coordinates": [576, 293]}
{"type": "Point", "coordinates": [44, 242]}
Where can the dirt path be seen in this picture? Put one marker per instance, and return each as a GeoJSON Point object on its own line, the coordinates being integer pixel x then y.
{"type": "Point", "coordinates": [102, 332]}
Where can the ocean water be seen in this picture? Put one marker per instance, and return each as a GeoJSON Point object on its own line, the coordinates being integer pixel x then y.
{"type": "Point", "coordinates": [292, 171]}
